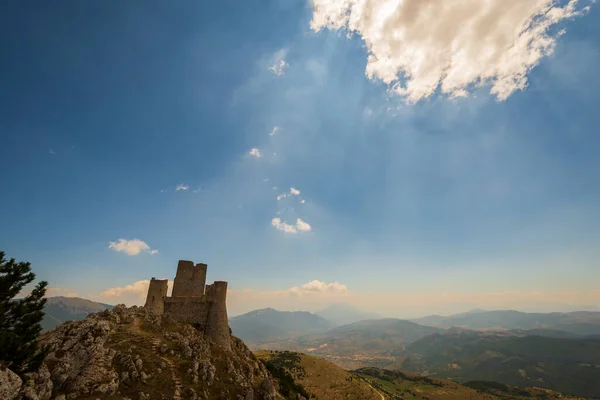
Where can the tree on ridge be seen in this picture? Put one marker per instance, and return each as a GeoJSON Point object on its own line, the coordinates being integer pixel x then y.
{"type": "Point", "coordinates": [20, 319]}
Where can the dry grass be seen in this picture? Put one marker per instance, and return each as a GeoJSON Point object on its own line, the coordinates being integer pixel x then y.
{"type": "Point", "coordinates": [325, 380]}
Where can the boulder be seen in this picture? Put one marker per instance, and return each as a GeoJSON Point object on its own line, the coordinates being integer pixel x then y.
{"type": "Point", "coordinates": [10, 384]}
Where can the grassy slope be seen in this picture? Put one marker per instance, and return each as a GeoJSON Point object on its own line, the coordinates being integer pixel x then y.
{"type": "Point", "coordinates": [320, 378]}
{"type": "Point", "coordinates": [566, 365]}
{"type": "Point", "coordinates": [324, 380]}
{"type": "Point", "coordinates": [402, 385]}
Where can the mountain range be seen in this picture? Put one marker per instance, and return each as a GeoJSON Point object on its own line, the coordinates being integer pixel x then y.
{"type": "Point", "coordinates": [268, 324]}
{"type": "Point", "coordinates": [580, 322]}
{"type": "Point", "coordinates": [554, 351]}
{"type": "Point", "coordinates": [343, 314]}
{"type": "Point", "coordinates": [61, 309]}
{"type": "Point", "coordinates": [568, 365]}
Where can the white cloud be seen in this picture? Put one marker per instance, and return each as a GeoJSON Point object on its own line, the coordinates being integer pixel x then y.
{"type": "Point", "coordinates": [138, 289]}
{"type": "Point", "coordinates": [132, 294]}
{"type": "Point", "coordinates": [254, 152]}
{"type": "Point", "coordinates": [293, 192]}
{"type": "Point", "coordinates": [52, 152]}
{"type": "Point", "coordinates": [302, 226]}
{"type": "Point", "coordinates": [274, 131]}
{"type": "Point", "coordinates": [282, 226]}
{"type": "Point", "coordinates": [321, 287]}
{"type": "Point", "coordinates": [302, 201]}
{"type": "Point", "coordinates": [419, 46]}
{"type": "Point", "coordinates": [131, 247]}
{"type": "Point", "coordinates": [287, 228]}
{"type": "Point", "coordinates": [181, 186]}
{"type": "Point", "coordinates": [279, 67]}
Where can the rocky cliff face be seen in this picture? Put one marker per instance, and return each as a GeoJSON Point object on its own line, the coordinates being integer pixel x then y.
{"type": "Point", "coordinates": [127, 353]}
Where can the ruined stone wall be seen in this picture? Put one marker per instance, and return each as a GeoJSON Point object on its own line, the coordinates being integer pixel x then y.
{"type": "Point", "coordinates": [157, 291]}
{"type": "Point", "coordinates": [190, 280]}
{"type": "Point", "coordinates": [217, 326]}
{"type": "Point", "coordinates": [189, 302]}
{"type": "Point", "coordinates": [188, 309]}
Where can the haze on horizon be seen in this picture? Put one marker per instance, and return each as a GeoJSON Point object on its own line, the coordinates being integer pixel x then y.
{"type": "Point", "coordinates": [407, 158]}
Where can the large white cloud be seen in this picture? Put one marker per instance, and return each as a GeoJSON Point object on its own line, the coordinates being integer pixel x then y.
{"type": "Point", "coordinates": [418, 46]}
{"type": "Point", "coordinates": [131, 247]}
{"type": "Point", "coordinates": [132, 294]}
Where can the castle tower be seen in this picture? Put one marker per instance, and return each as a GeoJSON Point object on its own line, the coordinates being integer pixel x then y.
{"type": "Point", "coordinates": [217, 326]}
{"type": "Point", "coordinates": [190, 280]}
{"type": "Point", "coordinates": [157, 291]}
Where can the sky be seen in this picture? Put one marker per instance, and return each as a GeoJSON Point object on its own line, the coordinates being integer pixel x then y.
{"type": "Point", "coordinates": [406, 157]}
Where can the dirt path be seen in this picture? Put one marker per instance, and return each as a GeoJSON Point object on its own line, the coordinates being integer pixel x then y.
{"type": "Point", "coordinates": [176, 381]}
{"type": "Point", "coordinates": [376, 391]}
{"type": "Point", "coordinates": [155, 343]}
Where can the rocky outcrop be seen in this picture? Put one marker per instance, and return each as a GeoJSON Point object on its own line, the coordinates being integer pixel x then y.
{"type": "Point", "coordinates": [10, 384]}
{"type": "Point", "coordinates": [131, 353]}
{"type": "Point", "coordinates": [80, 363]}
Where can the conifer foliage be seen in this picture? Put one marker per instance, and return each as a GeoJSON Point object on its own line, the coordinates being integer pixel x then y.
{"type": "Point", "coordinates": [20, 319]}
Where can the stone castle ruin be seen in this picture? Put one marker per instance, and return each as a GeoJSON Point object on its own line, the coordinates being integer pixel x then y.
{"type": "Point", "coordinates": [192, 301]}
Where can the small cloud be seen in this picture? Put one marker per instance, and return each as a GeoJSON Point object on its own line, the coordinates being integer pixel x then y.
{"type": "Point", "coordinates": [274, 187]}
{"type": "Point", "coordinates": [302, 201]}
{"type": "Point", "coordinates": [131, 247]}
{"type": "Point", "coordinates": [52, 152]}
{"type": "Point", "coordinates": [266, 180]}
{"type": "Point", "coordinates": [294, 192]}
{"type": "Point", "coordinates": [181, 186]}
{"type": "Point", "coordinates": [287, 228]}
{"type": "Point", "coordinates": [282, 226]}
{"type": "Point", "coordinates": [197, 190]}
{"type": "Point", "coordinates": [281, 196]}
{"type": "Point", "coordinates": [302, 226]}
{"type": "Point", "coordinates": [279, 67]}
{"type": "Point", "coordinates": [254, 152]}
{"type": "Point", "coordinates": [274, 131]}
{"type": "Point", "coordinates": [322, 287]}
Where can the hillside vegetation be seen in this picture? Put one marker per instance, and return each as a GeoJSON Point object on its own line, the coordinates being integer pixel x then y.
{"type": "Point", "coordinates": [399, 385]}
{"type": "Point", "coordinates": [320, 378]}
{"type": "Point", "coordinates": [373, 343]}
{"type": "Point", "coordinates": [567, 365]}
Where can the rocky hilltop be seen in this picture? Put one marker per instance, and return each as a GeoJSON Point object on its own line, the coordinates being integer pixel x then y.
{"type": "Point", "coordinates": [127, 353]}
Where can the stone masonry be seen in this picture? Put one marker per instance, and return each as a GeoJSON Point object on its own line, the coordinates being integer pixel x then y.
{"type": "Point", "coordinates": [192, 301]}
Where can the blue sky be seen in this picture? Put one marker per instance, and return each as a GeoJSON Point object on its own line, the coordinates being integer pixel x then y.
{"type": "Point", "coordinates": [406, 207]}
